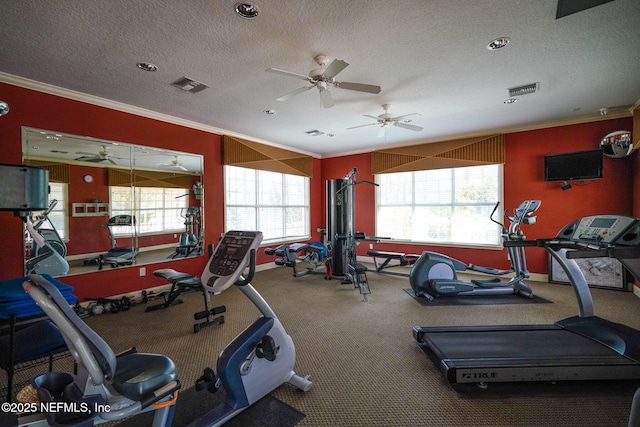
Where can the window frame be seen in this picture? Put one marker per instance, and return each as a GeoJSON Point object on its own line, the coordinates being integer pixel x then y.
{"type": "Point", "coordinates": [136, 210]}
{"type": "Point", "coordinates": [306, 205]}
{"type": "Point", "coordinates": [457, 244]}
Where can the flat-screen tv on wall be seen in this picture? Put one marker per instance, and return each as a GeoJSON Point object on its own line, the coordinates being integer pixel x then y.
{"type": "Point", "coordinates": [578, 165]}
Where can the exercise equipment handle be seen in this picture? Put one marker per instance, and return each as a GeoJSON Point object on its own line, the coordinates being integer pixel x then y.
{"type": "Point", "coordinates": [252, 270]}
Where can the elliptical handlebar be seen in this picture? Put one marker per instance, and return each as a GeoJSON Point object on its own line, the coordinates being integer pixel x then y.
{"type": "Point", "coordinates": [521, 215]}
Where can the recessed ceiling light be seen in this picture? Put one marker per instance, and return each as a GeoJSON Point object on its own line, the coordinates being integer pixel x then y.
{"type": "Point", "coordinates": [270, 112]}
{"type": "Point", "coordinates": [147, 66]}
{"type": "Point", "coordinates": [510, 100]}
{"type": "Point", "coordinates": [498, 43]}
{"type": "Point", "coordinates": [246, 10]}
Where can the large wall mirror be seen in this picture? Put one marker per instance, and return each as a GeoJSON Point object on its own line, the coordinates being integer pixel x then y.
{"type": "Point", "coordinates": [114, 204]}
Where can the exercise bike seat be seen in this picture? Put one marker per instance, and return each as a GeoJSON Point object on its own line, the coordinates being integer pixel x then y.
{"type": "Point", "coordinates": [140, 374]}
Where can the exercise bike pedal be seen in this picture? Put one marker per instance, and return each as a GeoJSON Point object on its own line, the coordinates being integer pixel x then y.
{"type": "Point", "coordinates": [208, 381]}
{"type": "Point", "coordinates": [267, 349]}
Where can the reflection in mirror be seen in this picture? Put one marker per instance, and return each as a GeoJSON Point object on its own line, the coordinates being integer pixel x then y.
{"type": "Point", "coordinates": [114, 204]}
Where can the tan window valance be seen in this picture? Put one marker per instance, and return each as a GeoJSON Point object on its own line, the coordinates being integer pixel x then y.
{"type": "Point", "coordinates": [253, 155]}
{"type": "Point", "coordinates": [58, 172]}
{"type": "Point", "coordinates": [142, 178]}
{"type": "Point", "coordinates": [440, 155]}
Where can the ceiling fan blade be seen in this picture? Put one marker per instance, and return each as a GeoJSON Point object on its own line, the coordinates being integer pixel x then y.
{"type": "Point", "coordinates": [294, 93]}
{"type": "Point", "coordinates": [334, 68]}
{"type": "Point", "coordinates": [288, 74]}
{"type": "Point", "coordinates": [111, 161]}
{"type": "Point", "coordinates": [382, 131]}
{"type": "Point", "coordinates": [400, 118]}
{"type": "Point", "coordinates": [183, 168]}
{"type": "Point", "coordinates": [360, 87]}
{"type": "Point", "coordinates": [88, 158]}
{"type": "Point", "coordinates": [361, 126]}
{"type": "Point", "coordinates": [408, 126]}
{"type": "Point", "coordinates": [326, 99]}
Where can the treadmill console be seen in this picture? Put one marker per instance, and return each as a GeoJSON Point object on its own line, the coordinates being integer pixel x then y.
{"type": "Point", "coordinates": [230, 259]}
{"type": "Point", "coordinates": [603, 229]}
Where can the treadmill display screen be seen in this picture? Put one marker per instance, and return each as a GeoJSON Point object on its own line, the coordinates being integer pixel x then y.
{"type": "Point", "coordinates": [603, 222]}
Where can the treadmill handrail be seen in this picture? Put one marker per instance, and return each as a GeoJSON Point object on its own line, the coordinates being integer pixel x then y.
{"type": "Point", "coordinates": [558, 249]}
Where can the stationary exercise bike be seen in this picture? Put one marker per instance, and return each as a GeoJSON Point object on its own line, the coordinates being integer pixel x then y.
{"type": "Point", "coordinates": [434, 275]}
{"type": "Point", "coordinates": [262, 357]}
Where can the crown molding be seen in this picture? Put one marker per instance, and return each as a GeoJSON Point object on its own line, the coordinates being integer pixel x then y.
{"type": "Point", "coordinates": [514, 129]}
{"type": "Point", "coordinates": [126, 108]}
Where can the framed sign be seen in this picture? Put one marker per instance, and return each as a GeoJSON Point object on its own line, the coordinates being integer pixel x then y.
{"type": "Point", "coordinates": [600, 273]}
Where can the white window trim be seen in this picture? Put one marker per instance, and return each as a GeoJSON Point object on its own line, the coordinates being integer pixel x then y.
{"type": "Point", "coordinates": [281, 240]}
{"type": "Point", "coordinates": [470, 245]}
{"type": "Point", "coordinates": [136, 213]}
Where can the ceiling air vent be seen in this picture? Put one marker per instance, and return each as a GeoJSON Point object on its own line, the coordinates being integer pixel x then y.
{"type": "Point", "coordinates": [189, 85]}
{"type": "Point", "coordinates": [523, 90]}
{"type": "Point", "coordinates": [315, 132]}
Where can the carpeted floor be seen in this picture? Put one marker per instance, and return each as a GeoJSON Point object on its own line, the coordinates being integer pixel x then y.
{"type": "Point", "coordinates": [476, 299]}
{"type": "Point", "coordinates": [366, 367]}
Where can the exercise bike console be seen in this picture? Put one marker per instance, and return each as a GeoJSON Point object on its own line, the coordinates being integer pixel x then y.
{"type": "Point", "coordinates": [230, 259]}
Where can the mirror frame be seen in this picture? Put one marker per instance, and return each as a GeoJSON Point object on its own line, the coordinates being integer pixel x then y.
{"type": "Point", "coordinates": [139, 162]}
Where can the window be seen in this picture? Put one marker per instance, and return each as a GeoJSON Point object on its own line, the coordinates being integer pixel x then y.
{"type": "Point", "coordinates": [157, 210]}
{"type": "Point", "coordinates": [449, 206]}
{"type": "Point", "coordinates": [276, 204]}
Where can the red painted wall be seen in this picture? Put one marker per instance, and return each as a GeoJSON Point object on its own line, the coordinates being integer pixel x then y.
{"type": "Point", "coordinates": [523, 179]}
{"type": "Point", "coordinates": [35, 109]}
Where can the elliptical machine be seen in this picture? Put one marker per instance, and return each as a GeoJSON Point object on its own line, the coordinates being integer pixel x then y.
{"type": "Point", "coordinates": [43, 225]}
{"type": "Point", "coordinates": [262, 357]}
{"type": "Point", "coordinates": [190, 243]}
{"type": "Point", "coordinates": [47, 249]}
{"type": "Point", "coordinates": [434, 274]}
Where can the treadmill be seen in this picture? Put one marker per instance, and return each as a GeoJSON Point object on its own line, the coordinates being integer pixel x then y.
{"type": "Point", "coordinates": [583, 347]}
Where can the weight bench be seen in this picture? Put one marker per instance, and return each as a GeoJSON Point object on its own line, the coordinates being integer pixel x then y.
{"type": "Point", "coordinates": [181, 282]}
{"type": "Point", "coordinates": [402, 258]}
{"type": "Point", "coordinates": [289, 255]}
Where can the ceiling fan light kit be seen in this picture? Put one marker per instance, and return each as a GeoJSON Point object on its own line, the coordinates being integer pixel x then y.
{"type": "Point", "coordinates": [387, 119]}
{"type": "Point", "coordinates": [323, 77]}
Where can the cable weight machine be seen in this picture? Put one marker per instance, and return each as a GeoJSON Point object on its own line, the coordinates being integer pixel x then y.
{"type": "Point", "coordinates": [341, 234]}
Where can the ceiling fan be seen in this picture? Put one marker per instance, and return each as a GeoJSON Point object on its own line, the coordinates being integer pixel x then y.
{"type": "Point", "coordinates": [101, 156]}
{"type": "Point", "coordinates": [386, 119]}
{"type": "Point", "coordinates": [322, 78]}
{"type": "Point", "coordinates": [175, 164]}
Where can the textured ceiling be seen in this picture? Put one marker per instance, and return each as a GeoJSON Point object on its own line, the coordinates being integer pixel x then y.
{"type": "Point", "coordinates": [428, 56]}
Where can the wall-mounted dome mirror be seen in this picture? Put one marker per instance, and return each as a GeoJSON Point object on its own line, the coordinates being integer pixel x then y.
{"type": "Point", "coordinates": [617, 144]}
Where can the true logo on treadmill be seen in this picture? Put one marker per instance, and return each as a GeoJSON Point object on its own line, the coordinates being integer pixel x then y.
{"type": "Point", "coordinates": [479, 375]}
